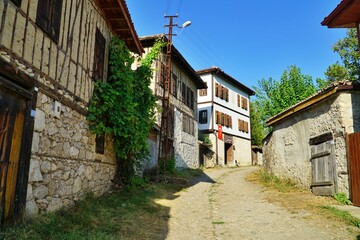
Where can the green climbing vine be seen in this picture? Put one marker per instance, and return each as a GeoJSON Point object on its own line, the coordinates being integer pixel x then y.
{"type": "Point", "coordinates": [123, 107]}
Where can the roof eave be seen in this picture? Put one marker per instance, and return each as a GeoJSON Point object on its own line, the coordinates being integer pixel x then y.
{"type": "Point", "coordinates": [217, 70]}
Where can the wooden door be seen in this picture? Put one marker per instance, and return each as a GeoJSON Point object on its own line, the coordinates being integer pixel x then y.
{"type": "Point", "coordinates": [354, 166]}
{"type": "Point", "coordinates": [323, 168]}
{"type": "Point", "coordinates": [12, 115]}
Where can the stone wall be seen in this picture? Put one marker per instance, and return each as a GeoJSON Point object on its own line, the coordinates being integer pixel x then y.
{"type": "Point", "coordinates": [186, 146]}
{"type": "Point", "coordinates": [287, 150]}
{"type": "Point", "coordinates": [64, 165]}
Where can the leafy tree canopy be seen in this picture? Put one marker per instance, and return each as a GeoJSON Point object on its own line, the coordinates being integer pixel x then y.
{"type": "Point", "coordinates": [348, 49]}
{"type": "Point", "coordinates": [274, 96]}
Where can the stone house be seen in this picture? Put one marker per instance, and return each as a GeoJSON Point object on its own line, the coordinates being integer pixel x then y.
{"type": "Point", "coordinates": [51, 51]}
{"type": "Point", "coordinates": [181, 119]}
{"type": "Point", "coordinates": [224, 117]}
{"type": "Point", "coordinates": [309, 142]}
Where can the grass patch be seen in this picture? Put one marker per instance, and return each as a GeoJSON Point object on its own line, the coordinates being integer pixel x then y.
{"type": "Point", "coordinates": [130, 213]}
{"type": "Point", "coordinates": [342, 199]}
{"type": "Point", "coordinates": [269, 180]}
{"type": "Point", "coordinates": [343, 215]}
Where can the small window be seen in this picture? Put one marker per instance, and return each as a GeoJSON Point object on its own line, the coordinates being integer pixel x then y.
{"type": "Point", "coordinates": [174, 85]}
{"type": "Point", "coordinates": [48, 17]}
{"type": "Point", "coordinates": [244, 103]}
{"type": "Point", "coordinates": [183, 92]}
{"type": "Point", "coordinates": [99, 56]}
{"type": "Point", "coordinates": [100, 144]}
{"type": "Point", "coordinates": [203, 116]}
{"type": "Point", "coordinates": [17, 2]}
{"type": "Point", "coordinates": [203, 92]}
{"type": "Point", "coordinates": [162, 74]}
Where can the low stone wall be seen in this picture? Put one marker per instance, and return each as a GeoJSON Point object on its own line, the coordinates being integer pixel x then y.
{"type": "Point", "coordinates": [64, 165]}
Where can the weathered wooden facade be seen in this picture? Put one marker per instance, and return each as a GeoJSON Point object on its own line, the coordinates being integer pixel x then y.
{"type": "Point", "coordinates": [310, 144]}
{"type": "Point", "coordinates": [51, 51]}
{"type": "Point", "coordinates": [182, 117]}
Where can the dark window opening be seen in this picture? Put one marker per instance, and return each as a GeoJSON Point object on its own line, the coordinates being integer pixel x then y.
{"type": "Point", "coordinates": [100, 144]}
{"type": "Point", "coordinates": [203, 116]}
{"type": "Point", "coordinates": [17, 2]}
{"type": "Point", "coordinates": [99, 56]}
{"type": "Point", "coordinates": [49, 16]}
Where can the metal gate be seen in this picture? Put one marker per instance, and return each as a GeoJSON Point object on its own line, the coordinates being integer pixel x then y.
{"type": "Point", "coordinates": [353, 145]}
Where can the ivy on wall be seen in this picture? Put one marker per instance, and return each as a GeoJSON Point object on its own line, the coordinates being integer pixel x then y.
{"type": "Point", "coordinates": [124, 106]}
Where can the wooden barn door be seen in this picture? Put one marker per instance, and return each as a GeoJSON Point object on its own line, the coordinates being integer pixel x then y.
{"type": "Point", "coordinates": [12, 115]}
{"type": "Point", "coordinates": [354, 166]}
{"type": "Point", "coordinates": [323, 165]}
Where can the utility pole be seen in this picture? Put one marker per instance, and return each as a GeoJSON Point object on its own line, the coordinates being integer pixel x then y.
{"type": "Point", "coordinates": [164, 151]}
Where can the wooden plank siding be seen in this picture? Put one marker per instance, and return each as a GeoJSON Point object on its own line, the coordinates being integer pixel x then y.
{"type": "Point", "coordinates": [65, 66]}
{"type": "Point", "coordinates": [353, 143]}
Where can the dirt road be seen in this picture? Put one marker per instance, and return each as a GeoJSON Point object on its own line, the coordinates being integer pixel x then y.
{"type": "Point", "coordinates": [223, 205]}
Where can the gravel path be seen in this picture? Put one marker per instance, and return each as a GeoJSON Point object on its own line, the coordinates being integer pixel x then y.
{"type": "Point", "coordinates": [223, 205]}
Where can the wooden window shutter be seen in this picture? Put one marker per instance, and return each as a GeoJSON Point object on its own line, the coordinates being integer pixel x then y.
{"type": "Point", "coordinates": [49, 16]}
{"type": "Point", "coordinates": [239, 125]}
{"type": "Point", "coordinates": [222, 119]}
{"type": "Point", "coordinates": [17, 2]}
{"type": "Point", "coordinates": [191, 99]}
{"type": "Point", "coordinates": [162, 74]}
{"type": "Point", "coordinates": [216, 89]}
{"type": "Point", "coordinates": [55, 20]}
{"type": "Point", "coordinates": [183, 92]}
{"type": "Point", "coordinates": [216, 117]}
{"type": "Point", "coordinates": [99, 56]}
{"type": "Point", "coordinates": [43, 14]}
{"type": "Point", "coordinates": [230, 122]}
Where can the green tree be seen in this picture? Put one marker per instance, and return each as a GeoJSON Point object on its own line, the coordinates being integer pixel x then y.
{"type": "Point", "coordinates": [348, 49]}
{"type": "Point", "coordinates": [257, 130]}
{"type": "Point", "coordinates": [337, 72]}
{"type": "Point", "coordinates": [274, 96]}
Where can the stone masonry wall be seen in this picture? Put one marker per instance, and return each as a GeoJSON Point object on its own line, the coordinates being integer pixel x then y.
{"type": "Point", "coordinates": [186, 146]}
{"type": "Point", "coordinates": [64, 165]}
{"type": "Point", "coordinates": [287, 150]}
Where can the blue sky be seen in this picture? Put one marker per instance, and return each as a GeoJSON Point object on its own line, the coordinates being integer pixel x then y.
{"type": "Point", "coordinates": [249, 40]}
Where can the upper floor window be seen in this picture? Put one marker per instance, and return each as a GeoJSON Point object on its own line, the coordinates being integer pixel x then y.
{"type": "Point", "coordinates": [99, 56]}
{"type": "Point", "coordinates": [203, 92]}
{"type": "Point", "coordinates": [223, 119]}
{"type": "Point", "coordinates": [174, 84]}
{"type": "Point", "coordinates": [243, 126]}
{"type": "Point", "coordinates": [221, 92]}
{"type": "Point", "coordinates": [188, 124]}
{"type": "Point", "coordinates": [203, 116]}
{"type": "Point", "coordinates": [244, 103]}
{"type": "Point", "coordinates": [48, 17]}
{"type": "Point", "coordinates": [17, 2]}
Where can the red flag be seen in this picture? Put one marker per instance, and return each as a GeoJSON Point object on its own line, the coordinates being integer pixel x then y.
{"type": "Point", "coordinates": [220, 135]}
